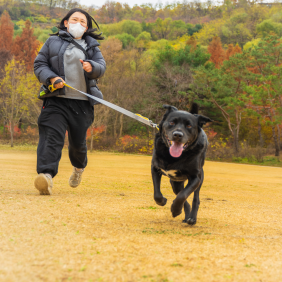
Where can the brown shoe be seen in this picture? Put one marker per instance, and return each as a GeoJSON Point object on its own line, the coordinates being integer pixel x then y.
{"type": "Point", "coordinates": [44, 184]}
{"type": "Point", "coordinates": [75, 178]}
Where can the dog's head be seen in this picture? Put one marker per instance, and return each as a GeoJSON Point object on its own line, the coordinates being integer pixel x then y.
{"type": "Point", "coordinates": [180, 129]}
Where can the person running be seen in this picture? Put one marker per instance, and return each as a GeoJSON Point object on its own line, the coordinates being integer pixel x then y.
{"type": "Point", "coordinates": [71, 55]}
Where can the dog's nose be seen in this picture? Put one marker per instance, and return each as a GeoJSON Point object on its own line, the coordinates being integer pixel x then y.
{"type": "Point", "coordinates": [177, 134]}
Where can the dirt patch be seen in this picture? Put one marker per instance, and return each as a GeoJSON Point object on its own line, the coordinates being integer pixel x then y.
{"type": "Point", "coordinates": [110, 229]}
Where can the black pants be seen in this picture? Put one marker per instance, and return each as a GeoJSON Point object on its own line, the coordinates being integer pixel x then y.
{"type": "Point", "coordinates": [57, 116]}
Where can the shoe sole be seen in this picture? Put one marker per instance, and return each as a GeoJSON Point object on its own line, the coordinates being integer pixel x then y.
{"type": "Point", "coordinates": [41, 184]}
{"type": "Point", "coordinates": [73, 185]}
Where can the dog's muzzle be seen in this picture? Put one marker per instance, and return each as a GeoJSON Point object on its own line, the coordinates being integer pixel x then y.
{"type": "Point", "coordinates": [177, 135]}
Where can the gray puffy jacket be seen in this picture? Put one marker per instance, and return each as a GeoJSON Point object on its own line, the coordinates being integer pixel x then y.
{"type": "Point", "coordinates": [49, 63]}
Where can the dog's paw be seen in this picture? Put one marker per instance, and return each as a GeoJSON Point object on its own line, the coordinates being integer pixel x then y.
{"type": "Point", "coordinates": [191, 221]}
{"type": "Point", "coordinates": [176, 210]}
{"type": "Point", "coordinates": [161, 201]}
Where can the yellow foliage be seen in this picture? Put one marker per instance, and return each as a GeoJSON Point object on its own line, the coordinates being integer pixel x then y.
{"type": "Point", "coordinates": [39, 48]}
{"type": "Point", "coordinates": [180, 42]}
{"type": "Point", "coordinates": [21, 23]}
{"type": "Point", "coordinates": [251, 44]}
{"type": "Point", "coordinates": [210, 30]}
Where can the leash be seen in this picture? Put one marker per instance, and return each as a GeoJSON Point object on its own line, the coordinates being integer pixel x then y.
{"type": "Point", "coordinates": [137, 117]}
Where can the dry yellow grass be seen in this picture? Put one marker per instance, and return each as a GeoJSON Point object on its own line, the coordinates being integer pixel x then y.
{"type": "Point", "coordinates": [110, 229]}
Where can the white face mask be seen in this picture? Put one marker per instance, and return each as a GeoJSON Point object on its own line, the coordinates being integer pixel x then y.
{"type": "Point", "coordinates": [76, 30]}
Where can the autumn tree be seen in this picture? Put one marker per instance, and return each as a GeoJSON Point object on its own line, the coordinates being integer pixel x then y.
{"type": "Point", "coordinates": [6, 40]}
{"type": "Point", "coordinates": [192, 42]}
{"type": "Point", "coordinates": [6, 32]}
{"type": "Point", "coordinates": [216, 51]}
{"type": "Point", "coordinates": [11, 88]}
{"type": "Point", "coordinates": [162, 28]}
{"type": "Point", "coordinates": [231, 50]}
{"type": "Point", "coordinates": [25, 46]}
{"type": "Point", "coordinates": [124, 84]}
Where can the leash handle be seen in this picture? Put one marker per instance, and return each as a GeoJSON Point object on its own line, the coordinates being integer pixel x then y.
{"type": "Point", "coordinates": [52, 87]}
{"type": "Point", "coordinates": [154, 125]}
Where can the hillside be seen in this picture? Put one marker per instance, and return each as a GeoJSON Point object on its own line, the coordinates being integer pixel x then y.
{"type": "Point", "coordinates": [171, 54]}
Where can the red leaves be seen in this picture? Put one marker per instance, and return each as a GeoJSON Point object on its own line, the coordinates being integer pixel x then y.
{"type": "Point", "coordinates": [218, 54]}
{"type": "Point", "coordinates": [216, 51]}
{"type": "Point", "coordinates": [16, 133]}
{"type": "Point", "coordinates": [6, 32]}
{"type": "Point", "coordinates": [126, 139]}
{"type": "Point", "coordinates": [25, 46]}
{"type": "Point", "coordinates": [210, 133]}
{"type": "Point", "coordinates": [231, 50]}
{"type": "Point", "coordinates": [95, 130]}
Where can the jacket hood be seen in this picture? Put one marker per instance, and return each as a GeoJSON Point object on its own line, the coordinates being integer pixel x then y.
{"type": "Point", "coordinates": [91, 42]}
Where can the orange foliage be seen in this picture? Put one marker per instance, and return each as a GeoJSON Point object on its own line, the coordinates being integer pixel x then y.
{"type": "Point", "coordinates": [216, 51]}
{"type": "Point", "coordinates": [95, 130]}
{"type": "Point", "coordinates": [6, 32]}
{"type": "Point", "coordinates": [231, 50]}
{"type": "Point", "coordinates": [210, 133]}
{"type": "Point", "coordinates": [17, 131]}
{"type": "Point", "coordinates": [25, 46]}
{"type": "Point", "coordinates": [192, 42]}
{"type": "Point", "coordinates": [126, 139]}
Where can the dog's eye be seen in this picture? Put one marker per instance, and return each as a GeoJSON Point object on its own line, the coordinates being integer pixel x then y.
{"type": "Point", "coordinates": [171, 123]}
{"type": "Point", "coordinates": [189, 126]}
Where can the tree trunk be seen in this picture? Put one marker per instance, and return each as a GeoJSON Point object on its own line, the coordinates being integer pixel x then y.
{"type": "Point", "coordinates": [121, 125]}
{"type": "Point", "coordinates": [91, 144]}
{"type": "Point", "coordinates": [115, 126]}
{"type": "Point", "coordinates": [279, 137]}
{"type": "Point", "coordinates": [275, 141]}
{"type": "Point", "coordinates": [12, 109]}
{"type": "Point", "coordinates": [236, 132]}
{"type": "Point", "coordinates": [236, 142]}
{"type": "Point", "coordinates": [12, 133]}
{"type": "Point", "coordinates": [259, 133]}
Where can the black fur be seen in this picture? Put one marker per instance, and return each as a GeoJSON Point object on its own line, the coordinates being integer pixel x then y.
{"type": "Point", "coordinates": [180, 127]}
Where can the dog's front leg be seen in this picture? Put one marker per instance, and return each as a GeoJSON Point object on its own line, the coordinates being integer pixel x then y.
{"type": "Point", "coordinates": [177, 205]}
{"type": "Point", "coordinates": [158, 196]}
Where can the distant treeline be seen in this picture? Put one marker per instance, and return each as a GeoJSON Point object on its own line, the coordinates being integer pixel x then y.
{"type": "Point", "coordinates": [226, 58]}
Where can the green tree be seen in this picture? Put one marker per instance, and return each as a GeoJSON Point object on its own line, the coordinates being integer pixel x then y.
{"type": "Point", "coordinates": [126, 39]}
{"type": "Point", "coordinates": [143, 39]}
{"type": "Point", "coordinates": [192, 29]}
{"type": "Point", "coordinates": [265, 84]}
{"type": "Point", "coordinates": [174, 74]}
{"type": "Point", "coordinates": [162, 28]}
{"type": "Point", "coordinates": [133, 28]}
{"type": "Point", "coordinates": [225, 88]}
{"type": "Point", "coordinates": [269, 26]}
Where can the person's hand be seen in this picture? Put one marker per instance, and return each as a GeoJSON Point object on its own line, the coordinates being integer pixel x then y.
{"type": "Point", "coordinates": [86, 66]}
{"type": "Point", "coordinates": [57, 85]}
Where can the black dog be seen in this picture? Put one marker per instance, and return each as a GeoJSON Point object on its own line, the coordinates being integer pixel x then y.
{"type": "Point", "coordinates": [179, 153]}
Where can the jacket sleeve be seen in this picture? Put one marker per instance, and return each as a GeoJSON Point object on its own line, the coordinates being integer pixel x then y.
{"type": "Point", "coordinates": [98, 65]}
{"type": "Point", "coordinates": [41, 64]}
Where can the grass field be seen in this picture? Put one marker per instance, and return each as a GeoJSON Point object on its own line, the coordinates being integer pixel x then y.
{"type": "Point", "coordinates": [110, 229]}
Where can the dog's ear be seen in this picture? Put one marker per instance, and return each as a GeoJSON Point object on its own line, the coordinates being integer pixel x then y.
{"type": "Point", "coordinates": [170, 109]}
{"type": "Point", "coordinates": [194, 109]}
{"type": "Point", "coordinates": [203, 120]}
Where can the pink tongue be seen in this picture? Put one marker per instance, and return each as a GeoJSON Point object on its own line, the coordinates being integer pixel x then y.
{"type": "Point", "coordinates": [175, 150]}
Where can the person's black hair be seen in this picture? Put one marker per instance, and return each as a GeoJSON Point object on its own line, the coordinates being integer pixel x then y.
{"type": "Point", "coordinates": [90, 31]}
